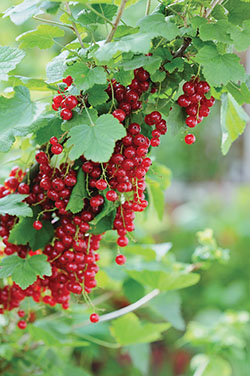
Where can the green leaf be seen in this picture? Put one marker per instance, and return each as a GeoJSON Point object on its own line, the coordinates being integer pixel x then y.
{"type": "Point", "coordinates": [129, 330]}
{"type": "Point", "coordinates": [31, 83]}
{"type": "Point", "coordinates": [13, 205]}
{"type": "Point", "coordinates": [158, 198]}
{"type": "Point", "coordinates": [107, 208]}
{"type": "Point", "coordinates": [241, 36]}
{"type": "Point", "coordinates": [168, 306]}
{"type": "Point", "coordinates": [176, 118]}
{"type": "Point", "coordinates": [84, 77]}
{"type": "Point", "coordinates": [103, 134]}
{"type": "Point", "coordinates": [97, 95]}
{"type": "Point", "coordinates": [177, 63]}
{"type": "Point", "coordinates": [140, 355]}
{"type": "Point", "coordinates": [87, 17]}
{"type": "Point", "coordinates": [237, 11]}
{"type": "Point", "coordinates": [157, 25]}
{"type": "Point", "coordinates": [164, 280]}
{"type": "Point", "coordinates": [233, 121]}
{"type": "Point", "coordinates": [46, 127]}
{"type": "Point", "coordinates": [9, 58]}
{"type": "Point", "coordinates": [25, 271]}
{"type": "Point", "coordinates": [17, 116]}
{"type": "Point", "coordinates": [24, 233]}
{"type": "Point", "coordinates": [104, 224]}
{"type": "Point", "coordinates": [139, 61]}
{"type": "Point", "coordinates": [80, 118]}
{"type": "Point", "coordinates": [240, 93]}
{"type": "Point", "coordinates": [124, 77]}
{"type": "Point", "coordinates": [158, 76]}
{"type": "Point", "coordinates": [42, 37]}
{"type": "Point", "coordinates": [219, 69]}
{"type": "Point", "coordinates": [137, 43]}
{"type": "Point", "coordinates": [76, 203]}
{"type": "Point", "coordinates": [218, 31]}
{"type": "Point", "coordinates": [55, 68]}
{"type": "Point", "coordinates": [22, 12]}
{"type": "Point", "coordinates": [205, 365]}
{"type": "Point", "coordinates": [133, 290]}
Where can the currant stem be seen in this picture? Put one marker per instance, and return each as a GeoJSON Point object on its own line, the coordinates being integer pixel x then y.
{"type": "Point", "coordinates": [212, 6]}
{"type": "Point", "coordinates": [74, 26]}
{"type": "Point", "coordinates": [116, 23]}
{"type": "Point", "coordinates": [53, 22]}
{"type": "Point", "coordinates": [148, 7]}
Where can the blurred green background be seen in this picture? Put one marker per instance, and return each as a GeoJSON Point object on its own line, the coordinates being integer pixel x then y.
{"type": "Point", "coordinates": [207, 191]}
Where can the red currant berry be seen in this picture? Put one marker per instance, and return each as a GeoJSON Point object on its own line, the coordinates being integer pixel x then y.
{"type": "Point", "coordinates": [94, 317]}
{"type": "Point", "coordinates": [155, 116]}
{"type": "Point", "coordinates": [101, 184]}
{"type": "Point", "coordinates": [189, 139]}
{"type": "Point", "coordinates": [119, 114]}
{"type": "Point", "coordinates": [38, 225]}
{"type": "Point", "coordinates": [57, 101]}
{"type": "Point", "coordinates": [189, 88]}
{"type": "Point", "coordinates": [53, 140]}
{"type": "Point", "coordinates": [122, 241]}
{"type": "Point", "coordinates": [155, 142]}
{"type": "Point", "coordinates": [56, 149]}
{"type": "Point", "coordinates": [111, 196]}
{"type": "Point", "coordinates": [184, 101]}
{"type": "Point", "coordinates": [66, 114]}
{"type": "Point", "coordinates": [68, 80]}
{"type": "Point", "coordinates": [120, 259]}
{"type": "Point", "coordinates": [23, 189]}
{"type": "Point", "coordinates": [70, 102]}
{"type": "Point", "coordinates": [191, 121]}
{"type": "Point", "coordinates": [22, 324]}
{"type": "Point", "coordinates": [21, 313]}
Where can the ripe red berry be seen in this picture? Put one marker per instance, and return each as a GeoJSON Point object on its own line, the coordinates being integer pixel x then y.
{"type": "Point", "coordinates": [57, 101]}
{"type": "Point", "coordinates": [21, 313]}
{"type": "Point", "coordinates": [23, 189]}
{"type": "Point", "coordinates": [155, 116]}
{"type": "Point", "coordinates": [122, 241]}
{"type": "Point", "coordinates": [57, 149]}
{"type": "Point", "coordinates": [68, 80]}
{"type": "Point", "coordinates": [41, 157]}
{"type": "Point", "coordinates": [53, 140]}
{"type": "Point", "coordinates": [189, 88]}
{"type": "Point", "coordinates": [191, 121]}
{"type": "Point", "coordinates": [38, 225]}
{"type": "Point", "coordinates": [119, 114]}
{"type": "Point", "coordinates": [22, 324]}
{"type": "Point", "coordinates": [94, 317]}
{"type": "Point", "coordinates": [70, 102]}
{"type": "Point", "coordinates": [155, 142]}
{"type": "Point", "coordinates": [120, 259]}
{"type": "Point", "coordinates": [101, 184]}
{"type": "Point", "coordinates": [66, 114]}
{"type": "Point", "coordinates": [184, 101]}
{"type": "Point", "coordinates": [189, 139]}
{"type": "Point", "coordinates": [111, 196]}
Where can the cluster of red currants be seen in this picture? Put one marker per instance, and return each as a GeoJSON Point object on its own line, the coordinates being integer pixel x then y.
{"type": "Point", "coordinates": [196, 104]}
{"type": "Point", "coordinates": [72, 251]}
{"type": "Point", "coordinates": [65, 103]}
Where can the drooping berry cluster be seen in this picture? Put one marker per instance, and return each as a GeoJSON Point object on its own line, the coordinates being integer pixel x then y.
{"type": "Point", "coordinates": [65, 103]}
{"type": "Point", "coordinates": [72, 250]}
{"type": "Point", "coordinates": [196, 104]}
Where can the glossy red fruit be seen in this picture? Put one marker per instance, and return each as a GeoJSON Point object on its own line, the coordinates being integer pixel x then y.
{"type": "Point", "coordinates": [23, 189]}
{"type": "Point", "coordinates": [122, 241]}
{"type": "Point", "coordinates": [53, 140]}
{"type": "Point", "coordinates": [120, 259]}
{"type": "Point", "coordinates": [70, 102]}
{"type": "Point", "coordinates": [191, 121]}
{"type": "Point", "coordinates": [68, 80]}
{"type": "Point", "coordinates": [155, 142]}
{"type": "Point", "coordinates": [184, 101]}
{"type": "Point", "coordinates": [190, 139]}
{"type": "Point", "coordinates": [56, 149]}
{"type": "Point", "coordinates": [189, 88]}
{"type": "Point", "coordinates": [155, 116]}
{"type": "Point", "coordinates": [57, 101]}
{"type": "Point", "coordinates": [22, 324]}
{"type": "Point", "coordinates": [66, 114]}
{"type": "Point", "coordinates": [38, 225]}
{"type": "Point", "coordinates": [119, 114]}
{"type": "Point", "coordinates": [21, 313]}
{"type": "Point", "coordinates": [111, 195]}
{"type": "Point", "coordinates": [94, 317]}
{"type": "Point", "coordinates": [101, 184]}
{"type": "Point", "coordinates": [204, 111]}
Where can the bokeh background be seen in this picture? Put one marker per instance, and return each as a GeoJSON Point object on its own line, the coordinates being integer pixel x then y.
{"type": "Point", "coordinates": [207, 191]}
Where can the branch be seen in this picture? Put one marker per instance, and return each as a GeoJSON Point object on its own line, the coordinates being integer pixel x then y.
{"type": "Point", "coordinates": [182, 49]}
{"type": "Point", "coordinates": [148, 7]}
{"type": "Point", "coordinates": [212, 6]}
{"type": "Point", "coordinates": [74, 26]}
{"type": "Point", "coordinates": [53, 22]}
{"type": "Point", "coordinates": [116, 23]}
{"type": "Point", "coordinates": [125, 310]}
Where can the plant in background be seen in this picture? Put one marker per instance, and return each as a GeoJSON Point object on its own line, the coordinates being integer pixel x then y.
{"type": "Point", "coordinates": [109, 96]}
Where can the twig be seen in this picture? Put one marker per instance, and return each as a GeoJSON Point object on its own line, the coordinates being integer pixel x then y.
{"type": "Point", "coordinates": [123, 311]}
{"type": "Point", "coordinates": [116, 23]}
{"type": "Point", "coordinates": [53, 22]}
{"type": "Point", "coordinates": [74, 26]}
{"type": "Point", "coordinates": [182, 49]}
{"type": "Point", "coordinates": [148, 7]}
{"type": "Point", "coordinates": [212, 6]}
